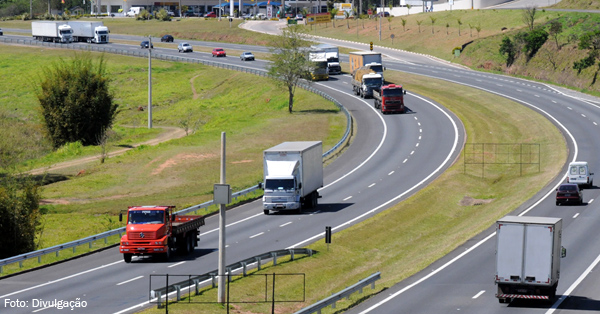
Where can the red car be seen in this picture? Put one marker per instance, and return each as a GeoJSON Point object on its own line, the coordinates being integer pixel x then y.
{"type": "Point", "coordinates": [219, 52]}
{"type": "Point", "coordinates": [211, 14]}
{"type": "Point", "coordinates": [569, 193]}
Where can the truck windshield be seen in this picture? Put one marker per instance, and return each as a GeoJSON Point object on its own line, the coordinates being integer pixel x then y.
{"type": "Point", "coordinates": [376, 68]}
{"type": "Point", "coordinates": [66, 32]}
{"type": "Point", "coordinates": [392, 92]}
{"type": "Point", "coordinates": [279, 184]}
{"type": "Point", "coordinates": [146, 217]}
{"type": "Point", "coordinates": [372, 82]}
{"type": "Point", "coordinates": [333, 59]}
{"type": "Point", "coordinates": [103, 32]}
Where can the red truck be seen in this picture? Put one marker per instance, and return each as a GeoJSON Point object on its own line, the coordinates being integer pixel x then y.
{"type": "Point", "coordinates": [156, 230]}
{"type": "Point", "coordinates": [389, 98]}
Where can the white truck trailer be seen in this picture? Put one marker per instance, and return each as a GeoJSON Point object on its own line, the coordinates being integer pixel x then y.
{"type": "Point", "coordinates": [528, 253]}
{"type": "Point", "coordinates": [91, 32]}
{"type": "Point", "coordinates": [54, 31]}
{"type": "Point", "coordinates": [332, 53]}
{"type": "Point", "coordinates": [293, 171]}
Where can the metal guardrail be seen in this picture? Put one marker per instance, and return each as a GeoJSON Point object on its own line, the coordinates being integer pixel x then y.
{"type": "Point", "coordinates": [144, 53]}
{"type": "Point", "coordinates": [332, 300]}
{"type": "Point", "coordinates": [241, 265]}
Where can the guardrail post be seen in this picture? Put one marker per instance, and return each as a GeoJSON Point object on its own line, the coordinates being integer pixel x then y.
{"type": "Point", "coordinates": [90, 245]}
{"type": "Point", "coordinates": [178, 288]}
{"type": "Point", "coordinates": [214, 280]}
{"type": "Point", "coordinates": [228, 272]}
{"type": "Point", "coordinates": [0, 269]}
{"type": "Point", "coordinates": [274, 255]}
{"type": "Point", "coordinates": [292, 253]}
{"type": "Point", "coordinates": [20, 264]}
{"type": "Point", "coordinates": [258, 262]}
{"type": "Point", "coordinates": [244, 268]}
{"type": "Point", "coordinates": [74, 249]}
{"type": "Point", "coordinates": [39, 259]}
{"type": "Point", "coordinates": [196, 286]}
{"type": "Point", "coordinates": [158, 299]}
{"type": "Point", "coordinates": [57, 253]}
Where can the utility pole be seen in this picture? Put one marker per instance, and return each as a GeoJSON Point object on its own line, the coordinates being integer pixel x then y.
{"type": "Point", "coordinates": [149, 82]}
{"type": "Point", "coordinates": [380, 16]}
{"type": "Point", "coordinates": [222, 270]}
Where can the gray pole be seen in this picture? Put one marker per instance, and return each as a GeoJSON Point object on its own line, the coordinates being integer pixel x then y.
{"type": "Point", "coordinates": [221, 292]}
{"type": "Point", "coordinates": [381, 15]}
{"type": "Point", "coordinates": [149, 82]}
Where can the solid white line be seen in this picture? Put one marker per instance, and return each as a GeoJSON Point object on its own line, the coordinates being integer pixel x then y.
{"type": "Point", "coordinates": [478, 294]}
{"type": "Point", "coordinates": [61, 279]}
{"type": "Point", "coordinates": [371, 185]}
{"type": "Point", "coordinates": [573, 286]}
{"type": "Point", "coordinates": [256, 235]}
{"type": "Point", "coordinates": [575, 215]}
{"type": "Point", "coordinates": [176, 264]}
{"type": "Point", "coordinates": [347, 198]}
{"type": "Point", "coordinates": [130, 280]}
{"type": "Point", "coordinates": [285, 224]}
{"type": "Point", "coordinates": [389, 174]}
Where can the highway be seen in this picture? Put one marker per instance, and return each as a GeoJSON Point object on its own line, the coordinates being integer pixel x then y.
{"type": "Point", "coordinates": [376, 170]}
{"type": "Point", "coordinates": [462, 281]}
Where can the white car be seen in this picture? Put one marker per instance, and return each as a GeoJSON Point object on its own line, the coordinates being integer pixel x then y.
{"type": "Point", "coordinates": [261, 16]}
{"type": "Point", "coordinates": [247, 16]}
{"type": "Point", "coordinates": [247, 56]}
{"type": "Point", "coordinates": [185, 47]}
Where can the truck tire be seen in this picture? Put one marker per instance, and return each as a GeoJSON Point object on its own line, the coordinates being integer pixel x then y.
{"type": "Point", "coordinates": [167, 255]}
{"type": "Point", "coordinates": [127, 257]}
{"type": "Point", "coordinates": [189, 244]}
{"type": "Point", "coordinates": [266, 211]}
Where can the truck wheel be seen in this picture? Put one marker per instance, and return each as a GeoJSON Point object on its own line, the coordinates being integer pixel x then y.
{"type": "Point", "coordinates": [189, 242]}
{"type": "Point", "coordinates": [266, 211]}
{"type": "Point", "coordinates": [167, 255]}
{"type": "Point", "coordinates": [127, 257]}
{"type": "Point", "coordinates": [315, 200]}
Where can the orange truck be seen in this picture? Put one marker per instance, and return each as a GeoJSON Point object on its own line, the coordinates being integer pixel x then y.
{"type": "Point", "coordinates": [157, 230]}
{"type": "Point", "coordinates": [389, 98]}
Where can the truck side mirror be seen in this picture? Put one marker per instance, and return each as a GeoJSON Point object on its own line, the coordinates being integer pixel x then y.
{"type": "Point", "coordinates": [300, 185]}
{"type": "Point", "coordinates": [120, 217]}
{"type": "Point", "coordinates": [173, 217]}
{"type": "Point", "coordinates": [260, 185]}
{"type": "Point", "coordinates": [563, 252]}
{"type": "Point", "coordinates": [591, 173]}
{"type": "Point", "coordinates": [404, 91]}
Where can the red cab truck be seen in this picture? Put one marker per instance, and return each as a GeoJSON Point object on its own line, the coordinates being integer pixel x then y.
{"type": "Point", "coordinates": [156, 230]}
{"type": "Point", "coordinates": [389, 98]}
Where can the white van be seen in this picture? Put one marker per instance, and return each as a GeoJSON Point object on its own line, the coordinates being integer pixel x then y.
{"type": "Point", "coordinates": [133, 11]}
{"type": "Point", "coordinates": [579, 173]}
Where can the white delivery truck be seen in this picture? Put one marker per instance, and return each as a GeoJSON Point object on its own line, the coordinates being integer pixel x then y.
{"type": "Point", "coordinates": [528, 253]}
{"type": "Point", "coordinates": [332, 53]}
{"type": "Point", "coordinates": [293, 171]}
{"type": "Point", "coordinates": [91, 32]}
{"type": "Point", "coordinates": [133, 11]}
{"type": "Point", "coordinates": [54, 31]}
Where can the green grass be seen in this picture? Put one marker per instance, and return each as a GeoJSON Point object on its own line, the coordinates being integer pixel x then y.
{"type": "Point", "coordinates": [431, 223]}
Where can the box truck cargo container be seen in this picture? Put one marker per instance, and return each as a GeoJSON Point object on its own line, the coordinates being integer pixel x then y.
{"type": "Point", "coordinates": [91, 32]}
{"type": "Point", "coordinates": [54, 31]}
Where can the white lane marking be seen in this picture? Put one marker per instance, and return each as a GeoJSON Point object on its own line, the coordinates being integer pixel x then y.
{"type": "Point", "coordinates": [176, 264]}
{"type": "Point", "coordinates": [478, 294]}
{"type": "Point", "coordinates": [575, 215]}
{"type": "Point", "coordinates": [347, 198]}
{"type": "Point", "coordinates": [595, 123]}
{"type": "Point", "coordinates": [417, 145]}
{"type": "Point", "coordinates": [371, 185]}
{"type": "Point", "coordinates": [130, 280]}
{"type": "Point", "coordinates": [537, 96]}
{"type": "Point", "coordinates": [420, 130]}
{"type": "Point", "coordinates": [405, 160]}
{"type": "Point", "coordinates": [569, 108]}
{"type": "Point", "coordinates": [391, 173]}
{"type": "Point", "coordinates": [591, 201]}
{"type": "Point", "coordinates": [554, 101]}
{"type": "Point", "coordinates": [419, 123]}
{"type": "Point", "coordinates": [256, 235]}
{"type": "Point", "coordinates": [420, 137]}
{"type": "Point", "coordinates": [518, 90]}
{"type": "Point", "coordinates": [550, 191]}
{"type": "Point", "coordinates": [285, 224]}
{"type": "Point", "coordinates": [61, 279]}
{"type": "Point", "coordinates": [583, 115]}
{"type": "Point", "coordinates": [412, 152]}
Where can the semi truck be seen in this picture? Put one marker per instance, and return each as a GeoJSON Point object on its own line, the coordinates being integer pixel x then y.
{"type": "Point", "coordinates": [364, 81]}
{"type": "Point", "coordinates": [91, 32]}
{"type": "Point", "coordinates": [293, 172]}
{"type": "Point", "coordinates": [332, 54]}
{"type": "Point", "coordinates": [157, 231]}
{"type": "Point", "coordinates": [528, 253]}
{"type": "Point", "coordinates": [319, 70]}
{"type": "Point", "coordinates": [362, 58]}
{"type": "Point", "coordinates": [389, 98]}
{"type": "Point", "coordinates": [53, 31]}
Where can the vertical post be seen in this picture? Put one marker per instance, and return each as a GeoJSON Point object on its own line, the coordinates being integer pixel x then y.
{"type": "Point", "coordinates": [221, 291]}
{"type": "Point", "coordinates": [381, 15]}
{"type": "Point", "coordinates": [273, 296]}
{"type": "Point", "coordinates": [149, 82]}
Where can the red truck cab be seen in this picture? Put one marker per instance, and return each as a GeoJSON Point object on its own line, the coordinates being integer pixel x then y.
{"type": "Point", "coordinates": [390, 98]}
{"type": "Point", "coordinates": [156, 230]}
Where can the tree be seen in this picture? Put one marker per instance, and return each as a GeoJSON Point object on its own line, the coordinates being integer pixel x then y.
{"type": "Point", "coordinates": [20, 215]}
{"type": "Point", "coordinates": [478, 29]}
{"type": "Point", "coordinates": [403, 24]}
{"type": "Point", "coordinates": [419, 23]}
{"type": "Point", "coordinates": [389, 18]}
{"type": "Point", "coordinates": [347, 17]}
{"type": "Point", "coordinates": [555, 30]}
{"type": "Point", "coordinates": [534, 40]}
{"type": "Point", "coordinates": [508, 48]}
{"type": "Point", "coordinates": [447, 26]}
{"type": "Point", "coordinates": [408, 6]}
{"type": "Point", "coordinates": [289, 63]}
{"type": "Point", "coordinates": [75, 100]}
{"type": "Point", "coordinates": [459, 24]}
{"type": "Point", "coordinates": [433, 19]}
{"type": "Point", "coordinates": [589, 41]}
{"type": "Point", "coordinates": [333, 13]}
{"type": "Point", "coordinates": [529, 16]}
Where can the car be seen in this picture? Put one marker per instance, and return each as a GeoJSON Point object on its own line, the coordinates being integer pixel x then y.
{"type": "Point", "coordinates": [299, 17]}
{"type": "Point", "coordinates": [384, 14]}
{"type": "Point", "coordinates": [1, 33]}
{"type": "Point", "coordinates": [261, 16]}
{"type": "Point", "coordinates": [569, 193]}
{"type": "Point", "coordinates": [167, 38]}
{"type": "Point", "coordinates": [185, 47]}
{"type": "Point", "coordinates": [171, 13]}
{"type": "Point", "coordinates": [247, 16]}
{"type": "Point", "coordinates": [211, 14]}
{"type": "Point", "coordinates": [189, 14]}
{"type": "Point", "coordinates": [219, 52]}
{"type": "Point", "coordinates": [247, 56]}
{"type": "Point", "coordinates": [145, 44]}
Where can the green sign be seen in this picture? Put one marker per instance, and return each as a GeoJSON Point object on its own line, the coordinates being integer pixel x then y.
{"type": "Point", "coordinates": [292, 21]}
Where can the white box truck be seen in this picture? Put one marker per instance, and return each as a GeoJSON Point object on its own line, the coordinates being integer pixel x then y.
{"type": "Point", "coordinates": [54, 31]}
{"type": "Point", "coordinates": [91, 32]}
{"type": "Point", "coordinates": [293, 171]}
{"type": "Point", "coordinates": [528, 253]}
{"type": "Point", "coordinates": [133, 11]}
{"type": "Point", "coordinates": [332, 53]}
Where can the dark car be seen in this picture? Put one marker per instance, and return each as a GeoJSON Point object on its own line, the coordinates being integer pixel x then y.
{"type": "Point", "coordinates": [569, 193]}
{"type": "Point", "coordinates": [211, 14]}
{"type": "Point", "coordinates": [384, 14]}
{"type": "Point", "coordinates": [1, 33]}
{"type": "Point", "coordinates": [145, 44]}
{"type": "Point", "coordinates": [167, 38]}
